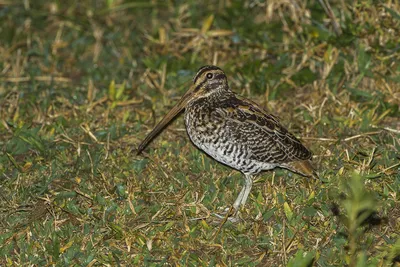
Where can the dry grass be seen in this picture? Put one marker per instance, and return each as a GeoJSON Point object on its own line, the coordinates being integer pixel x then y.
{"type": "Point", "coordinates": [81, 84]}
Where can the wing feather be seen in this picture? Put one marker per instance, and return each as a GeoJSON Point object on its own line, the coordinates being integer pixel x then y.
{"type": "Point", "coordinates": [262, 135]}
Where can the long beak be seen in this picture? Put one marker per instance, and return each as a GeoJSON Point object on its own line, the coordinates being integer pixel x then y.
{"type": "Point", "coordinates": [171, 114]}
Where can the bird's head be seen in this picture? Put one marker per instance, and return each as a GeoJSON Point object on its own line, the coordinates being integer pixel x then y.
{"type": "Point", "coordinates": [207, 81]}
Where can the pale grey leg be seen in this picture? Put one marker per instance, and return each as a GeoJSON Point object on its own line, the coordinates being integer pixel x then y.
{"type": "Point", "coordinates": [240, 200]}
{"type": "Point", "coordinates": [247, 188]}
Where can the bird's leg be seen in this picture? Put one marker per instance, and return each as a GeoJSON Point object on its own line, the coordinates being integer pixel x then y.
{"type": "Point", "coordinates": [247, 188]}
{"type": "Point", "coordinates": [240, 200]}
{"type": "Point", "coordinates": [236, 204]}
{"type": "Point", "coordinates": [234, 208]}
{"type": "Point", "coordinates": [244, 193]}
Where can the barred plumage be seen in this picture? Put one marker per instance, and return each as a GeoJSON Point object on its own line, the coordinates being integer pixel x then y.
{"type": "Point", "coordinates": [235, 131]}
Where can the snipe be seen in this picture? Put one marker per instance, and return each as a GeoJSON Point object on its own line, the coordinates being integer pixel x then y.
{"type": "Point", "coordinates": [235, 131]}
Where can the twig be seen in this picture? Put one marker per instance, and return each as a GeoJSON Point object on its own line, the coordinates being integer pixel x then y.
{"type": "Point", "coordinates": [320, 139]}
{"type": "Point", "coordinates": [37, 78]}
{"type": "Point", "coordinates": [284, 241]}
{"type": "Point", "coordinates": [346, 139]}
{"type": "Point", "coordinates": [291, 241]}
{"type": "Point", "coordinates": [392, 130]}
{"type": "Point", "coordinates": [388, 168]}
{"type": "Point", "coordinates": [328, 10]}
{"type": "Point", "coordinates": [223, 222]}
{"type": "Point", "coordinates": [361, 135]}
{"type": "Point", "coordinates": [86, 129]}
{"type": "Point", "coordinates": [129, 102]}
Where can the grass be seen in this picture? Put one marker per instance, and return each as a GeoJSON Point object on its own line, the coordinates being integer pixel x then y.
{"type": "Point", "coordinates": [83, 82]}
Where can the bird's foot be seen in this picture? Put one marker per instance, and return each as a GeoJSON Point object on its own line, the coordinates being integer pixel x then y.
{"type": "Point", "coordinates": [228, 214]}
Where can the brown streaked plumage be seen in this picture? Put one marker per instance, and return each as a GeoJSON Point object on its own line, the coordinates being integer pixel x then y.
{"type": "Point", "coordinates": [235, 131]}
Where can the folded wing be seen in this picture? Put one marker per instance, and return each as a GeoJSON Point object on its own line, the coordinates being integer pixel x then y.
{"type": "Point", "coordinates": [263, 136]}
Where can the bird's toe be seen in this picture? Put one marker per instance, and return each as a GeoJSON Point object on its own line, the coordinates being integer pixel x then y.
{"type": "Point", "coordinates": [228, 214]}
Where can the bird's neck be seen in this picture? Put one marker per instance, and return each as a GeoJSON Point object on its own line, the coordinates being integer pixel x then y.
{"type": "Point", "coordinates": [217, 96]}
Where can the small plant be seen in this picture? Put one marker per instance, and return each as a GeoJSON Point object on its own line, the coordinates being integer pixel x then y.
{"type": "Point", "coordinates": [359, 211]}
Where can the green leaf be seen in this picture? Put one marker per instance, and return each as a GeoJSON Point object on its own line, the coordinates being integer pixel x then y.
{"type": "Point", "coordinates": [288, 211]}
{"type": "Point", "coordinates": [119, 232]}
{"type": "Point", "coordinates": [112, 91]}
{"type": "Point", "coordinates": [394, 251]}
{"type": "Point", "coordinates": [359, 93]}
{"type": "Point", "coordinates": [310, 211]}
{"type": "Point", "coordinates": [364, 59]}
{"type": "Point", "coordinates": [361, 260]}
{"type": "Point", "coordinates": [120, 91]}
{"type": "Point", "coordinates": [304, 76]}
{"type": "Point", "coordinates": [302, 259]}
{"type": "Point", "coordinates": [55, 247]}
{"type": "Point", "coordinates": [392, 12]}
{"type": "Point", "coordinates": [268, 214]}
{"type": "Point", "coordinates": [139, 165]}
{"type": "Point", "coordinates": [13, 161]}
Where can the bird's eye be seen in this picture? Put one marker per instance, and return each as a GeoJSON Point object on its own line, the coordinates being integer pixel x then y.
{"type": "Point", "coordinates": [209, 75]}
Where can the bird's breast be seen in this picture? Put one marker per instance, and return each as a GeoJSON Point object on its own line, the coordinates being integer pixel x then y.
{"type": "Point", "coordinates": [203, 125]}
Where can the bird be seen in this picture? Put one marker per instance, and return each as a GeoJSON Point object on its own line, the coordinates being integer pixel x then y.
{"type": "Point", "coordinates": [235, 132]}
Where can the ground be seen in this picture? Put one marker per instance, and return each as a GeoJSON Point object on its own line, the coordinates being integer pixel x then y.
{"type": "Point", "coordinates": [83, 82]}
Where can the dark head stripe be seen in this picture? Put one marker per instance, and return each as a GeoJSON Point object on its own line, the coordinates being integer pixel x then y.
{"type": "Point", "coordinates": [204, 69]}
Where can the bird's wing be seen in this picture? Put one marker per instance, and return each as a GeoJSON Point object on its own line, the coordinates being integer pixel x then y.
{"type": "Point", "coordinates": [261, 134]}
